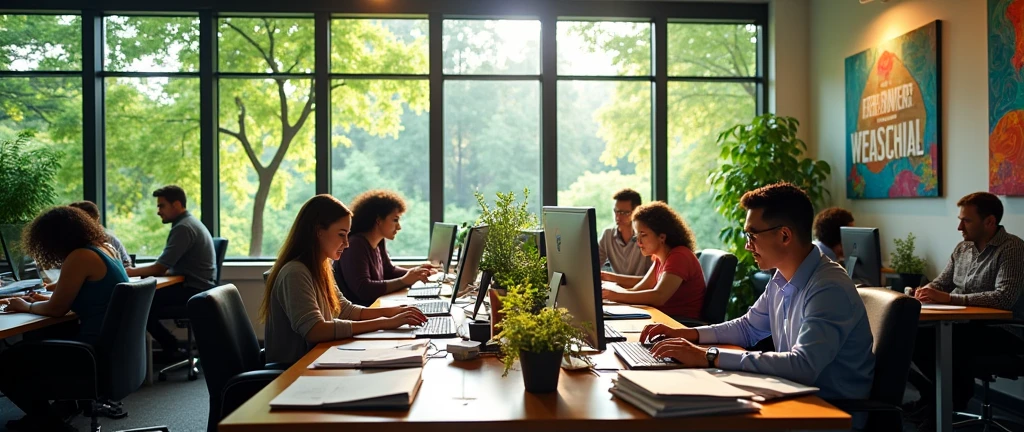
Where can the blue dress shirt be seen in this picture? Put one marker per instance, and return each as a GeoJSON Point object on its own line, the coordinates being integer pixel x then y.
{"type": "Point", "coordinates": [818, 324]}
{"type": "Point", "coordinates": [827, 251]}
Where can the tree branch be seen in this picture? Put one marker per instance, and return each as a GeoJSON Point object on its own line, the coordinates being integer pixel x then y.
{"type": "Point", "coordinates": [243, 138]}
{"type": "Point", "coordinates": [270, 36]}
{"type": "Point", "coordinates": [251, 42]}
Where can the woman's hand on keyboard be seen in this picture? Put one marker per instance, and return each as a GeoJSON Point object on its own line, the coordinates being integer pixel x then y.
{"type": "Point", "coordinates": [418, 274]}
{"type": "Point", "coordinates": [410, 316]}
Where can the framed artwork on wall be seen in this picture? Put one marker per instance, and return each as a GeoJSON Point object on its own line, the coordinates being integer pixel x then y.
{"type": "Point", "coordinates": [892, 118]}
{"type": "Point", "coordinates": [1006, 97]}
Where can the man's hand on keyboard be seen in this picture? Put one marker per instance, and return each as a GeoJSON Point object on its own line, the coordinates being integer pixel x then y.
{"type": "Point", "coordinates": [655, 332]}
{"type": "Point", "coordinates": [682, 350]}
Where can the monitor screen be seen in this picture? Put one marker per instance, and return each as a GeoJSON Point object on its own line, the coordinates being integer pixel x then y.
{"type": "Point", "coordinates": [570, 234]}
{"type": "Point", "coordinates": [863, 255]}
{"type": "Point", "coordinates": [469, 260]}
{"type": "Point", "coordinates": [533, 237]}
{"type": "Point", "coordinates": [442, 241]}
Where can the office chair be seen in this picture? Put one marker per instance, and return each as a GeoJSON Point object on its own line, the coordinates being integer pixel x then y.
{"type": "Point", "coordinates": [233, 363]}
{"type": "Point", "coordinates": [988, 368]}
{"type": "Point", "coordinates": [718, 267]}
{"type": "Point", "coordinates": [111, 369]}
{"type": "Point", "coordinates": [180, 316]}
{"type": "Point", "coordinates": [893, 318]}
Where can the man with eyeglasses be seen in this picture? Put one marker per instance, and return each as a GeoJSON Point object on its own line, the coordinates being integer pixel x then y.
{"type": "Point", "coordinates": [810, 308]}
{"type": "Point", "coordinates": [618, 243]}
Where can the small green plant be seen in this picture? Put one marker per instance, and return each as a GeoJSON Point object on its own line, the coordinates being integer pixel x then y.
{"type": "Point", "coordinates": [524, 328]}
{"type": "Point", "coordinates": [504, 255]}
{"type": "Point", "coordinates": [27, 176]}
{"type": "Point", "coordinates": [903, 260]}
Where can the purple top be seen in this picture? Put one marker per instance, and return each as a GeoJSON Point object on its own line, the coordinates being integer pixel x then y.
{"type": "Point", "coordinates": [363, 271]}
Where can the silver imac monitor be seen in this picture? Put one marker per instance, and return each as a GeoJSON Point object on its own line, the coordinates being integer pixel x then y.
{"type": "Point", "coordinates": [570, 234]}
{"type": "Point", "coordinates": [863, 255]}
{"type": "Point", "coordinates": [442, 241]}
{"type": "Point", "coordinates": [469, 260]}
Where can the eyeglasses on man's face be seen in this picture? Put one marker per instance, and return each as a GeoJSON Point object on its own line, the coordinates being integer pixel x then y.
{"type": "Point", "coordinates": [752, 235]}
{"type": "Point", "coordinates": [622, 212]}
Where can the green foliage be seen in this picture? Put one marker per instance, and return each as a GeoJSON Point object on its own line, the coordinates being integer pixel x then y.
{"type": "Point", "coordinates": [526, 328]}
{"type": "Point", "coordinates": [903, 260]}
{"type": "Point", "coordinates": [504, 255]}
{"type": "Point", "coordinates": [27, 175]}
{"type": "Point", "coordinates": [753, 155]}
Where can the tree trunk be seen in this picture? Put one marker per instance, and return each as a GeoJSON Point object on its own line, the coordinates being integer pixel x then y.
{"type": "Point", "coordinates": [259, 205]}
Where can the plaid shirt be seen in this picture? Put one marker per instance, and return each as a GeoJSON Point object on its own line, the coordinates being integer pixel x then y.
{"type": "Point", "coordinates": [993, 277]}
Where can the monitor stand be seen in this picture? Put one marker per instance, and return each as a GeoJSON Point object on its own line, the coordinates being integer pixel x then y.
{"type": "Point", "coordinates": [557, 280]}
{"type": "Point", "coordinates": [851, 264]}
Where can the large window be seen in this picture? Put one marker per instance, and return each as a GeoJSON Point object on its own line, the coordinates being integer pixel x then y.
{"type": "Point", "coordinates": [42, 91]}
{"type": "Point", "coordinates": [152, 125]}
{"type": "Point", "coordinates": [380, 124]}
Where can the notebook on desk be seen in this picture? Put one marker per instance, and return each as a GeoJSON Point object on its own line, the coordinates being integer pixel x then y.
{"type": "Point", "coordinates": [378, 354]}
{"type": "Point", "coordinates": [384, 390]}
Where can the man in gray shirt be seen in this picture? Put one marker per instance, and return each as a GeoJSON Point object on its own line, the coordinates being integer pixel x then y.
{"type": "Point", "coordinates": [189, 253]}
{"type": "Point", "coordinates": [618, 244]}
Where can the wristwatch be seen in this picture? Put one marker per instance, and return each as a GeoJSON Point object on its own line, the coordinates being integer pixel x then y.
{"type": "Point", "coordinates": [712, 355]}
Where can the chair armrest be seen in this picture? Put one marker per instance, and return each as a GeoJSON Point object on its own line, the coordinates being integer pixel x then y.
{"type": "Point", "coordinates": [863, 405]}
{"type": "Point", "coordinates": [244, 386]}
{"type": "Point", "coordinates": [70, 368]}
{"type": "Point", "coordinates": [277, 366]}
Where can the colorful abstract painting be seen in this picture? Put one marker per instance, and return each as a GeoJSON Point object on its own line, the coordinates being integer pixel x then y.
{"type": "Point", "coordinates": [892, 118]}
{"type": "Point", "coordinates": [1006, 97]}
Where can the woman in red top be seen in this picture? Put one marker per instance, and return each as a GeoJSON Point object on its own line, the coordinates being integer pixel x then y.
{"type": "Point", "coordinates": [675, 284]}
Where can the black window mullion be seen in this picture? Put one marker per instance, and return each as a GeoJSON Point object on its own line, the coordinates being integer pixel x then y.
{"type": "Point", "coordinates": [209, 164]}
{"type": "Point", "coordinates": [549, 110]}
{"type": "Point", "coordinates": [762, 56]}
{"type": "Point", "coordinates": [93, 156]}
{"type": "Point", "coordinates": [436, 156]}
{"type": "Point", "coordinates": [659, 154]}
{"type": "Point", "coordinates": [322, 102]}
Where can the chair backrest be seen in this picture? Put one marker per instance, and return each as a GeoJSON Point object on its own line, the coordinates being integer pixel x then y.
{"type": "Point", "coordinates": [226, 340]}
{"type": "Point", "coordinates": [121, 349]}
{"type": "Point", "coordinates": [893, 318]}
{"type": "Point", "coordinates": [719, 267]}
{"type": "Point", "coordinates": [220, 248]}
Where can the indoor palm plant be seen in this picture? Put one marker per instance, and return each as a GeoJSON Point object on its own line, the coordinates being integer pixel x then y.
{"type": "Point", "coordinates": [537, 336]}
{"type": "Point", "coordinates": [904, 262]}
{"type": "Point", "coordinates": [753, 155]}
{"type": "Point", "coordinates": [27, 174]}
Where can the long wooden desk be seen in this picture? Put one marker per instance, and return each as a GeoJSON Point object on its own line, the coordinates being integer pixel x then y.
{"type": "Point", "coordinates": [12, 324]}
{"type": "Point", "coordinates": [473, 393]}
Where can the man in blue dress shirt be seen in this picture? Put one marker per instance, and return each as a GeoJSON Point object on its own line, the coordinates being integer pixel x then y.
{"type": "Point", "coordinates": [810, 308]}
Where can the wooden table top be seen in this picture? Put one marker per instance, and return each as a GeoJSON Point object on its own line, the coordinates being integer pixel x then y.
{"type": "Point", "coordinates": [455, 393]}
{"type": "Point", "coordinates": [970, 313]}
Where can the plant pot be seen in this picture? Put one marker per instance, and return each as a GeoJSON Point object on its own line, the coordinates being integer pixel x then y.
{"type": "Point", "coordinates": [11, 236]}
{"type": "Point", "coordinates": [496, 315]}
{"type": "Point", "coordinates": [908, 280]}
{"type": "Point", "coordinates": [540, 370]}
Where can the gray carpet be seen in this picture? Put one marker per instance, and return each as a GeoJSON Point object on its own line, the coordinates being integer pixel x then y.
{"type": "Point", "coordinates": [177, 403]}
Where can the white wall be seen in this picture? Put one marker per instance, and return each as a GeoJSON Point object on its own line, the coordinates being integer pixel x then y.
{"type": "Point", "coordinates": [840, 28]}
{"type": "Point", "coordinates": [788, 56]}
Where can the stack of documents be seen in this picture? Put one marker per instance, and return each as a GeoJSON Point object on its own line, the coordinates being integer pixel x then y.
{"type": "Point", "coordinates": [623, 312]}
{"type": "Point", "coordinates": [384, 390]}
{"type": "Point", "coordinates": [764, 386]}
{"type": "Point", "coordinates": [681, 392]}
{"type": "Point", "coordinates": [373, 354]}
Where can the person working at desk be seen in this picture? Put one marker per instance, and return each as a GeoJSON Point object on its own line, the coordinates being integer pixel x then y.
{"type": "Point", "coordinates": [301, 304]}
{"type": "Point", "coordinates": [90, 209]}
{"type": "Point", "coordinates": [365, 271]}
{"type": "Point", "coordinates": [826, 232]}
{"type": "Point", "coordinates": [189, 252]}
{"type": "Point", "coordinates": [90, 268]}
{"type": "Point", "coordinates": [811, 308]}
{"type": "Point", "coordinates": [986, 269]}
{"type": "Point", "coordinates": [618, 243]}
{"type": "Point", "coordinates": [675, 285]}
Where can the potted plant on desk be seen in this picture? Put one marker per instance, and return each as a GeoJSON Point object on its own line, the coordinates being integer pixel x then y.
{"type": "Point", "coordinates": [904, 262]}
{"type": "Point", "coordinates": [27, 174]}
{"type": "Point", "coordinates": [537, 337]}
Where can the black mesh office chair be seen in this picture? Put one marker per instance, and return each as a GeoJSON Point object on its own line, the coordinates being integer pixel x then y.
{"type": "Point", "coordinates": [110, 370]}
{"type": "Point", "coordinates": [893, 318]}
{"type": "Point", "coordinates": [233, 363]}
{"type": "Point", "coordinates": [988, 368]}
{"type": "Point", "coordinates": [180, 316]}
{"type": "Point", "coordinates": [719, 268]}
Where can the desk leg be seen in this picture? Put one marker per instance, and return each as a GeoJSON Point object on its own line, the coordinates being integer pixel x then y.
{"type": "Point", "coordinates": [944, 377]}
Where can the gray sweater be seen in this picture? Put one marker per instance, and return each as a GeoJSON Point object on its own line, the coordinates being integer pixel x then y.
{"type": "Point", "coordinates": [295, 307]}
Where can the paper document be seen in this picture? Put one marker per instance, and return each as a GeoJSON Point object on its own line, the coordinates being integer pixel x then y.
{"type": "Point", "coordinates": [766, 386]}
{"type": "Point", "coordinates": [409, 354]}
{"type": "Point", "coordinates": [624, 312]}
{"type": "Point", "coordinates": [391, 389]}
{"type": "Point", "coordinates": [935, 306]}
{"type": "Point", "coordinates": [682, 383]}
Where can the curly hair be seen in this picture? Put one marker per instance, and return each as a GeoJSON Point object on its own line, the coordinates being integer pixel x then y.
{"type": "Point", "coordinates": [55, 233]}
{"type": "Point", "coordinates": [828, 222]}
{"type": "Point", "coordinates": [374, 205]}
{"type": "Point", "coordinates": [661, 219]}
{"type": "Point", "coordinates": [784, 204]}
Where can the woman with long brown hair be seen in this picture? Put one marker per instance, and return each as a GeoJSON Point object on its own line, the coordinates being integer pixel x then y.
{"type": "Point", "coordinates": [301, 303]}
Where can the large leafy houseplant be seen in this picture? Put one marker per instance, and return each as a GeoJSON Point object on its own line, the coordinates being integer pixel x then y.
{"type": "Point", "coordinates": [753, 155]}
{"type": "Point", "coordinates": [904, 262]}
{"type": "Point", "coordinates": [27, 175]}
{"type": "Point", "coordinates": [506, 258]}
{"type": "Point", "coordinates": [537, 337]}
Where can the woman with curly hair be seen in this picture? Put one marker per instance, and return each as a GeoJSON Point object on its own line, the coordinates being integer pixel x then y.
{"type": "Point", "coordinates": [675, 284]}
{"type": "Point", "coordinates": [365, 271]}
{"type": "Point", "coordinates": [90, 268]}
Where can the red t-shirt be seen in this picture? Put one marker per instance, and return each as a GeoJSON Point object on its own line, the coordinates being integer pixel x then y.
{"type": "Point", "coordinates": [688, 300]}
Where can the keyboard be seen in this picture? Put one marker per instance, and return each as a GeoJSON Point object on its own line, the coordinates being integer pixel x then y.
{"type": "Point", "coordinates": [437, 327]}
{"type": "Point", "coordinates": [20, 287]}
{"type": "Point", "coordinates": [638, 356]}
{"type": "Point", "coordinates": [426, 291]}
{"type": "Point", "coordinates": [434, 308]}
{"type": "Point", "coordinates": [611, 335]}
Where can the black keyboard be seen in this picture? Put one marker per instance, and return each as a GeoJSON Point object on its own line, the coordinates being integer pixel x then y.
{"type": "Point", "coordinates": [437, 327]}
{"type": "Point", "coordinates": [439, 307]}
{"type": "Point", "coordinates": [426, 291]}
{"type": "Point", "coordinates": [612, 335]}
{"type": "Point", "coordinates": [638, 356]}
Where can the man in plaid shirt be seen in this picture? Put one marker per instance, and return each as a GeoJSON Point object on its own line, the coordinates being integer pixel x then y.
{"type": "Point", "coordinates": [986, 269]}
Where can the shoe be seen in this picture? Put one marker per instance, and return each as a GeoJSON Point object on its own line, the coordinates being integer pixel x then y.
{"type": "Point", "coordinates": [108, 409]}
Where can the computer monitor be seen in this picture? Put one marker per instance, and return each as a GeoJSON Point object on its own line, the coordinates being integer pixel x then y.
{"type": "Point", "coordinates": [469, 260]}
{"type": "Point", "coordinates": [533, 237]}
{"type": "Point", "coordinates": [863, 255]}
{"type": "Point", "coordinates": [442, 242]}
{"type": "Point", "coordinates": [570, 234]}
